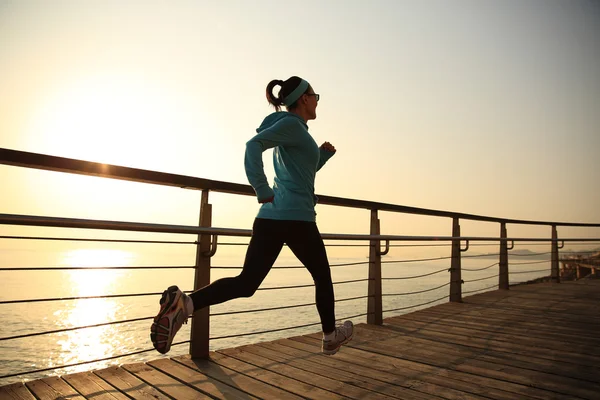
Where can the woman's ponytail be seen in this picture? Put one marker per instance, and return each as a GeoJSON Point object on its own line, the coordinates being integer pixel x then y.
{"type": "Point", "coordinates": [275, 101]}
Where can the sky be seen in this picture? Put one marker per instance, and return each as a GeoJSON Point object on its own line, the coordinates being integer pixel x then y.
{"type": "Point", "coordinates": [473, 106]}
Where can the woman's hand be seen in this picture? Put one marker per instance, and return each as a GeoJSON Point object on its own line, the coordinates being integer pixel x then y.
{"type": "Point", "coordinates": [328, 146]}
{"type": "Point", "coordinates": [269, 200]}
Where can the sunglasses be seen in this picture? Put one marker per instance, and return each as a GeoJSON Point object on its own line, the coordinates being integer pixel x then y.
{"type": "Point", "coordinates": [318, 96]}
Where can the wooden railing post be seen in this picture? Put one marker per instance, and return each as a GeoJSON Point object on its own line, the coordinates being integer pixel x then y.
{"type": "Point", "coordinates": [455, 273]}
{"type": "Point", "coordinates": [503, 277]}
{"type": "Point", "coordinates": [199, 337]}
{"type": "Point", "coordinates": [374, 303]}
{"type": "Point", "coordinates": [555, 273]}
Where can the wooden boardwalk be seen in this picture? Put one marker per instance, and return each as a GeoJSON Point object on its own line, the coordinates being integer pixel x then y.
{"type": "Point", "coordinates": [538, 341]}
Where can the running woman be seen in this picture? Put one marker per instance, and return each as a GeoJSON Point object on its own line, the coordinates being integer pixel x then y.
{"type": "Point", "coordinates": [287, 216]}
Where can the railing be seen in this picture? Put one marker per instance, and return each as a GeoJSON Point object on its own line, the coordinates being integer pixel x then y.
{"type": "Point", "coordinates": [207, 242]}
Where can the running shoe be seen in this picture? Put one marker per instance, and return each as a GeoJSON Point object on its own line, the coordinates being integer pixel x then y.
{"type": "Point", "coordinates": [171, 316]}
{"type": "Point", "coordinates": [343, 334]}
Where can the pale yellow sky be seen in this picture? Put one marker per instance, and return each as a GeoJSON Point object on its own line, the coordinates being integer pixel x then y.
{"type": "Point", "coordinates": [482, 107]}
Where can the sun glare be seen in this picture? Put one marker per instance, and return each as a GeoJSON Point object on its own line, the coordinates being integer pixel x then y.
{"type": "Point", "coordinates": [91, 343]}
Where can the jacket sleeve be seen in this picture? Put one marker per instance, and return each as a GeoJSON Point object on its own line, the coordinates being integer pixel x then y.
{"type": "Point", "coordinates": [279, 134]}
{"type": "Point", "coordinates": [324, 155]}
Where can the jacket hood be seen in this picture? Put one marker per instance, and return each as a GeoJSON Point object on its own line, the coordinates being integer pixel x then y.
{"type": "Point", "coordinates": [275, 117]}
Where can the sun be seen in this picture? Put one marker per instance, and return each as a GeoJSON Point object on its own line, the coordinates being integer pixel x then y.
{"type": "Point", "coordinates": [105, 118]}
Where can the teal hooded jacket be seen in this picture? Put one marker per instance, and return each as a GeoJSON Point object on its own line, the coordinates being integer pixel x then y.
{"type": "Point", "coordinates": [296, 160]}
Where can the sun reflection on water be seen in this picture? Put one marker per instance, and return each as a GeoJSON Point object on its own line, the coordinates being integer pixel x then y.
{"type": "Point", "coordinates": [91, 343]}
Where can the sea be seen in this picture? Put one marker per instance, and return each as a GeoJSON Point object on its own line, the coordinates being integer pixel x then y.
{"type": "Point", "coordinates": [412, 280]}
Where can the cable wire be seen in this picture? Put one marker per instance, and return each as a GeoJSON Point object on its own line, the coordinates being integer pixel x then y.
{"type": "Point", "coordinates": [282, 307]}
{"type": "Point", "coordinates": [96, 240]}
{"type": "Point", "coordinates": [480, 269]}
{"type": "Point", "coordinates": [482, 279]}
{"type": "Point", "coordinates": [85, 362]}
{"type": "Point", "coordinates": [416, 305]}
{"type": "Point", "coordinates": [529, 263]}
{"type": "Point", "coordinates": [415, 260]}
{"type": "Point", "coordinates": [74, 328]}
{"type": "Point", "coordinates": [526, 272]}
{"type": "Point", "coordinates": [530, 254]}
{"type": "Point", "coordinates": [417, 276]}
{"type": "Point", "coordinates": [421, 291]}
{"type": "Point", "coordinates": [79, 298]}
{"type": "Point", "coordinates": [89, 268]}
{"type": "Point", "coordinates": [479, 290]}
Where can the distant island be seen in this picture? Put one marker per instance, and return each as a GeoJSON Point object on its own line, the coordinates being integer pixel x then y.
{"type": "Point", "coordinates": [543, 253]}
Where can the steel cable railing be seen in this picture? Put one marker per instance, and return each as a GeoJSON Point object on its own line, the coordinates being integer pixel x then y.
{"type": "Point", "coordinates": [44, 162]}
{"type": "Point", "coordinates": [246, 311]}
{"type": "Point", "coordinates": [148, 318]}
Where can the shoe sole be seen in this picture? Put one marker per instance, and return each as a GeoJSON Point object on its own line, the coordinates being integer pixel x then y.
{"type": "Point", "coordinates": [332, 352]}
{"type": "Point", "coordinates": [155, 326]}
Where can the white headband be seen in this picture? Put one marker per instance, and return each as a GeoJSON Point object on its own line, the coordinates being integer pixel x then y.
{"type": "Point", "coordinates": [295, 95]}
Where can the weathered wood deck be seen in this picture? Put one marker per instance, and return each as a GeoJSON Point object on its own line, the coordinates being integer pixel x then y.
{"type": "Point", "coordinates": [537, 341]}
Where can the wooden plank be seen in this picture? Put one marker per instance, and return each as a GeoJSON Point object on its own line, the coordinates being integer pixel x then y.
{"type": "Point", "coordinates": [539, 333]}
{"type": "Point", "coordinates": [193, 377]}
{"type": "Point", "coordinates": [487, 353]}
{"type": "Point", "coordinates": [359, 375]}
{"type": "Point", "coordinates": [236, 379]}
{"type": "Point", "coordinates": [90, 385]}
{"type": "Point", "coordinates": [488, 387]}
{"type": "Point", "coordinates": [558, 340]}
{"type": "Point", "coordinates": [383, 343]}
{"type": "Point", "coordinates": [538, 303]}
{"type": "Point", "coordinates": [496, 340]}
{"type": "Point", "coordinates": [322, 381]}
{"type": "Point", "coordinates": [52, 388]}
{"type": "Point", "coordinates": [511, 316]}
{"type": "Point", "coordinates": [163, 382]}
{"type": "Point", "coordinates": [540, 310]}
{"type": "Point", "coordinates": [546, 306]}
{"type": "Point", "coordinates": [283, 382]}
{"type": "Point", "coordinates": [15, 391]}
{"type": "Point", "coordinates": [129, 384]}
{"type": "Point", "coordinates": [535, 318]}
{"type": "Point", "coordinates": [500, 322]}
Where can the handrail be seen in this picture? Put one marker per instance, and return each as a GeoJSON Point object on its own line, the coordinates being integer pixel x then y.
{"type": "Point", "coordinates": [74, 166]}
{"type": "Point", "coordinates": [32, 220]}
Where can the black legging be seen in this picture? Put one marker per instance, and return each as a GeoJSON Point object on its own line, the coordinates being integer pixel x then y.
{"type": "Point", "coordinates": [268, 238]}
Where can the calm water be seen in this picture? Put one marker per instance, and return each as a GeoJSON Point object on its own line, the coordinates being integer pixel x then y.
{"type": "Point", "coordinates": [59, 349]}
